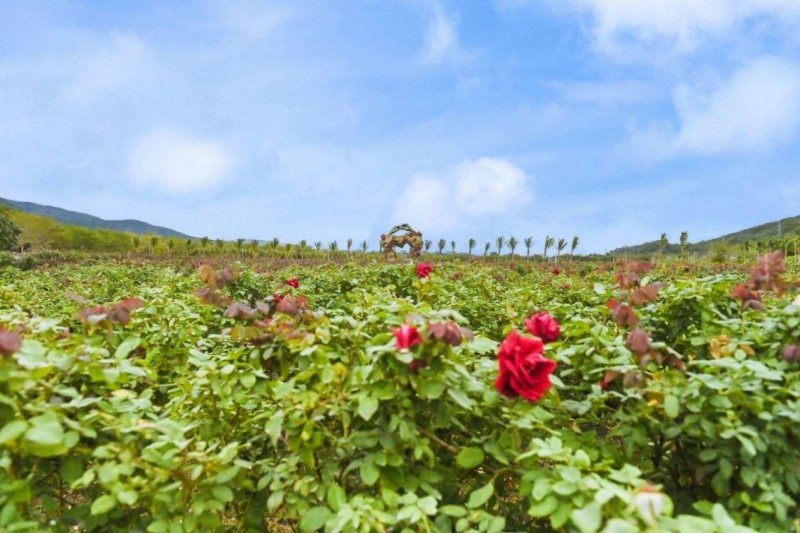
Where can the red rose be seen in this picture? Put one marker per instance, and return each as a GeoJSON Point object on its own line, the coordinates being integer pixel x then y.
{"type": "Point", "coordinates": [424, 270]}
{"type": "Point", "coordinates": [293, 283]}
{"type": "Point", "coordinates": [407, 337]}
{"type": "Point", "coordinates": [555, 271]}
{"type": "Point", "coordinates": [524, 370]}
{"type": "Point", "coordinates": [544, 326]}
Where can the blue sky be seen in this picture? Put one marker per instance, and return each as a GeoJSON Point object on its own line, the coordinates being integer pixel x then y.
{"type": "Point", "coordinates": [613, 120]}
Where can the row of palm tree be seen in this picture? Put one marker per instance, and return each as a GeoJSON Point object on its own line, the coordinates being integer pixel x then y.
{"type": "Point", "coordinates": [512, 243]}
{"type": "Point", "coordinates": [254, 248]}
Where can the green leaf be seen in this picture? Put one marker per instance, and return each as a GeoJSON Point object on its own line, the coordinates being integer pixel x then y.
{"type": "Point", "coordinates": [479, 497]}
{"type": "Point", "coordinates": [103, 504]}
{"type": "Point", "coordinates": [126, 347]}
{"type": "Point", "coordinates": [223, 493]}
{"type": "Point", "coordinates": [469, 458]}
{"type": "Point", "coordinates": [336, 497]}
{"type": "Point", "coordinates": [671, 406]}
{"type": "Point", "coordinates": [453, 510]}
{"type": "Point", "coordinates": [273, 427]}
{"type": "Point", "coordinates": [544, 507]}
{"type": "Point", "coordinates": [45, 438]}
{"type": "Point", "coordinates": [247, 380]}
{"type": "Point", "coordinates": [159, 526]}
{"type": "Point", "coordinates": [588, 519]}
{"type": "Point", "coordinates": [460, 397]}
{"type": "Point", "coordinates": [599, 288]}
{"type": "Point", "coordinates": [314, 519]}
{"type": "Point", "coordinates": [12, 431]}
{"type": "Point", "coordinates": [433, 389]}
{"type": "Point", "coordinates": [367, 406]}
{"type": "Point", "coordinates": [127, 497]}
{"type": "Point", "coordinates": [369, 473]}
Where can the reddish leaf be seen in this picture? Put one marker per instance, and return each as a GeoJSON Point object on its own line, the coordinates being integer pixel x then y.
{"type": "Point", "coordinates": [238, 310]}
{"type": "Point", "coordinates": [448, 332]}
{"type": "Point", "coordinates": [10, 342]}
{"type": "Point", "coordinates": [638, 342]}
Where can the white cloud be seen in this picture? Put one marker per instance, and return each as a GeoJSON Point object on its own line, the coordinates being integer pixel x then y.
{"type": "Point", "coordinates": [756, 109]}
{"type": "Point", "coordinates": [427, 204]}
{"type": "Point", "coordinates": [486, 186]}
{"type": "Point", "coordinates": [621, 27]}
{"type": "Point", "coordinates": [441, 38]}
{"type": "Point", "coordinates": [179, 163]}
{"type": "Point", "coordinates": [121, 60]}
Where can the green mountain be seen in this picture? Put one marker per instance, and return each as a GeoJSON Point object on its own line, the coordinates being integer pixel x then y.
{"type": "Point", "coordinates": [789, 228]}
{"type": "Point", "coordinates": [88, 221]}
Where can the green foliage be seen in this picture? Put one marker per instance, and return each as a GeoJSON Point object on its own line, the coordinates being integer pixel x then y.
{"type": "Point", "coordinates": [9, 232]}
{"type": "Point", "coordinates": [304, 415]}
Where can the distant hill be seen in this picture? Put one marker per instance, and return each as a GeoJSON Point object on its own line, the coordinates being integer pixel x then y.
{"type": "Point", "coordinates": [74, 218]}
{"type": "Point", "coordinates": [762, 232]}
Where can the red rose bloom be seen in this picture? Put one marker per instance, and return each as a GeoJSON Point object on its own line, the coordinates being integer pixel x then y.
{"type": "Point", "coordinates": [407, 337]}
{"type": "Point", "coordinates": [524, 370]}
{"type": "Point", "coordinates": [555, 271]}
{"type": "Point", "coordinates": [544, 326]}
{"type": "Point", "coordinates": [293, 283]}
{"type": "Point", "coordinates": [424, 270]}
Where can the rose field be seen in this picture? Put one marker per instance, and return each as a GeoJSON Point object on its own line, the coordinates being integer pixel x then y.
{"type": "Point", "coordinates": [434, 396]}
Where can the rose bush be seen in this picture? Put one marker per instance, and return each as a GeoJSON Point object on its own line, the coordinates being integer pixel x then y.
{"type": "Point", "coordinates": [367, 405]}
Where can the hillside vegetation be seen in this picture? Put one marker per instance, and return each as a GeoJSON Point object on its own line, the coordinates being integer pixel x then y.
{"type": "Point", "coordinates": [75, 218]}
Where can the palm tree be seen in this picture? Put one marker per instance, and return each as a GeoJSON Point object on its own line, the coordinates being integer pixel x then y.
{"type": "Point", "coordinates": [441, 244]}
{"type": "Point", "coordinates": [349, 245]}
{"type": "Point", "coordinates": [170, 245]}
{"type": "Point", "coordinates": [662, 244]}
{"type": "Point", "coordinates": [684, 240]}
{"type": "Point", "coordinates": [747, 245]}
{"type": "Point", "coordinates": [428, 244]}
{"type": "Point", "coordinates": [486, 247]}
{"type": "Point", "coordinates": [575, 242]}
{"type": "Point", "coordinates": [153, 242]}
{"type": "Point", "coordinates": [253, 247]}
{"type": "Point", "coordinates": [189, 243]}
{"type": "Point", "coordinates": [220, 244]}
{"type": "Point", "coordinates": [364, 246]}
{"type": "Point", "coordinates": [136, 242]}
{"type": "Point", "coordinates": [528, 243]}
{"type": "Point", "coordinates": [562, 243]}
{"type": "Point", "coordinates": [239, 247]}
{"type": "Point", "coordinates": [512, 243]}
{"type": "Point", "coordinates": [548, 242]}
{"type": "Point", "coordinates": [453, 247]}
{"type": "Point", "coordinates": [471, 244]}
{"type": "Point", "coordinates": [203, 243]}
{"type": "Point", "coordinates": [318, 245]}
{"type": "Point", "coordinates": [500, 242]}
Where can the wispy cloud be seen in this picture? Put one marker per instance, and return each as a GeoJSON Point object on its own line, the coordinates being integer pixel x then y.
{"type": "Point", "coordinates": [441, 38]}
{"type": "Point", "coordinates": [757, 108]}
{"type": "Point", "coordinates": [621, 28]}
{"type": "Point", "coordinates": [176, 162]}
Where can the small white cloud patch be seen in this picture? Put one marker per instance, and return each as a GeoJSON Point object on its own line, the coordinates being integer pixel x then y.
{"type": "Point", "coordinates": [489, 186]}
{"type": "Point", "coordinates": [486, 186]}
{"type": "Point", "coordinates": [179, 163]}
{"type": "Point", "coordinates": [441, 38]}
